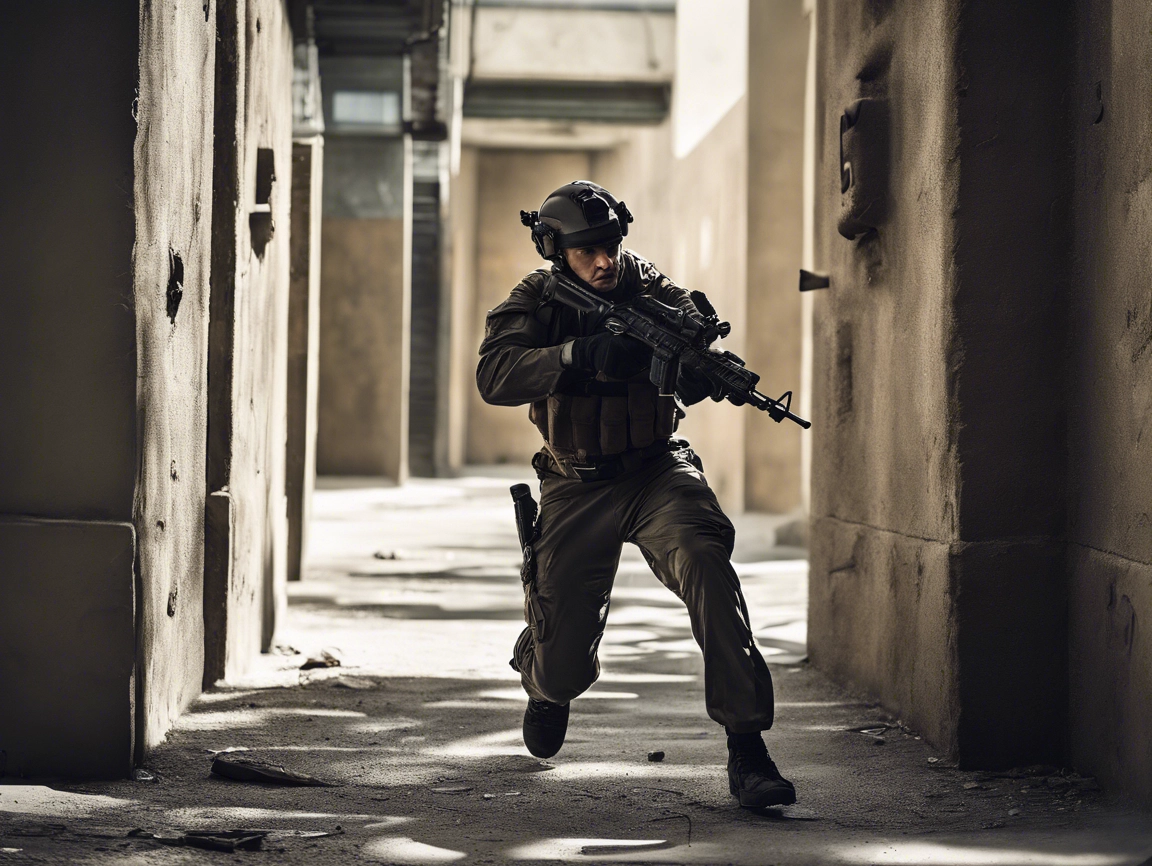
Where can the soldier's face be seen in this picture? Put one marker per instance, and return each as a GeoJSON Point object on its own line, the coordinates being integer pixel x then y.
{"type": "Point", "coordinates": [598, 266]}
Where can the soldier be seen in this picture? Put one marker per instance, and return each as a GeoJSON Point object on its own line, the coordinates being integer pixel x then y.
{"type": "Point", "coordinates": [610, 472]}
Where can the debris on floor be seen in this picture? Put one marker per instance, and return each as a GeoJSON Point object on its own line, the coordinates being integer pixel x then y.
{"type": "Point", "coordinates": [247, 770]}
{"type": "Point", "coordinates": [656, 757]}
{"type": "Point", "coordinates": [328, 658]}
{"type": "Point", "coordinates": [358, 683]}
{"type": "Point", "coordinates": [452, 789]}
{"type": "Point", "coordinates": [210, 840]}
{"type": "Point", "coordinates": [142, 775]}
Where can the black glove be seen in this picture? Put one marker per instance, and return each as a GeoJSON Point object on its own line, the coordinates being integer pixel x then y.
{"type": "Point", "coordinates": [613, 355]}
{"type": "Point", "coordinates": [692, 386]}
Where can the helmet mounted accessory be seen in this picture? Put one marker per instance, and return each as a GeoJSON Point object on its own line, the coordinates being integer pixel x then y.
{"type": "Point", "coordinates": [578, 214]}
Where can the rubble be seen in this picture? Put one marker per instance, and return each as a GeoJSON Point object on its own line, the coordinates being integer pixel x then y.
{"type": "Point", "coordinates": [247, 770]}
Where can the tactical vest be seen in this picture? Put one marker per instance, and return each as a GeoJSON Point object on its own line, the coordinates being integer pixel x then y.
{"type": "Point", "coordinates": [605, 424]}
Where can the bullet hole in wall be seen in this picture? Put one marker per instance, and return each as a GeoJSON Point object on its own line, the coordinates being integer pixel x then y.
{"type": "Point", "coordinates": [265, 174]}
{"type": "Point", "coordinates": [175, 284]}
{"type": "Point", "coordinates": [206, 5]}
{"type": "Point", "coordinates": [160, 525]}
{"type": "Point", "coordinates": [172, 596]}
{"type": "Point", "coordinates": [260, 222]}
{"type": "Point", "coordinates": [257, 25]}
{"type": "Point", "coordinates": [173, 473]}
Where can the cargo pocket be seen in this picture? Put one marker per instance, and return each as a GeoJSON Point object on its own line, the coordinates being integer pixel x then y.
{"type": "Point", "coordinates": [560, 421]}
{"type": "Point", "coordinates": [534, 613]}
{"type": "Point", "coordinates": [585, 424]}
{"type": "Point", "coordinates": [613, 424]}
{"type": "Point", "coordinates": [642, 399]}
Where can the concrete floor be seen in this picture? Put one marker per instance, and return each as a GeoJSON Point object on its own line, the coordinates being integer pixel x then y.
{"type": "Point", "coordinates": [420, 728]}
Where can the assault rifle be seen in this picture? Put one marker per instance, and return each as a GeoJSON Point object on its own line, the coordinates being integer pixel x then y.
{"type": "Point", "coordinates": [678, 338]}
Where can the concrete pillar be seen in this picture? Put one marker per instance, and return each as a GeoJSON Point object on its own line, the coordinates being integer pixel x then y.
{"type": "Point", "coordinates": [1110, 399]}
{"type": "Point", "coordinates": [938, 481]}
{"type": "Point", "coordinates": [463, 227]}
{"type": "Point", "coordinates": [248, 356]}
{"type": "Point", "coordinates": [105, 248]}
{"type": "Point", "coordinates": [303, 344]}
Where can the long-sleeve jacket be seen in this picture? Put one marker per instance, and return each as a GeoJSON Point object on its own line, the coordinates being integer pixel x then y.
{"type": "Point", "coordinates": [520, 363]}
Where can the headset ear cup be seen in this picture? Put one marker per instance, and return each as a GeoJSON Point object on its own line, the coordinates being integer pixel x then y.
{"type": "Point", "coordinates": [624, 216]}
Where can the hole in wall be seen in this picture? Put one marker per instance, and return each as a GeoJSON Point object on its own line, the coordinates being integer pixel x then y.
{"type": "Point", "coordinates": [260, 222]}
{"type": "Point", "coordinates": [261, 226]}
{"type": "Point", "coordinates": [175, 284]}
{"type": "Point", "coordinates": [265, 174]}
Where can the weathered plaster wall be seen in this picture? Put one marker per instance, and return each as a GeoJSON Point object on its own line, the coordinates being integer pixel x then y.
{"type": "Point", "coordinates": [67, 647]}
{"type": "Point", "coordinates": [170, 272]}
{"type": "Point", "coordinates": [937, 467]}
{"type": "Point", "coordinates": [362, 422]}
{"type": "Point", "coordinates": [303, 344]}
{"type": "Point", "coordinates": [508, 181]}
{"type": "Point", "coordinates": [777, 59]}
{"type": "Point", "coordinates": [462, 231]}
{"type": "Point", "coordinates": [67, 391]}
{"type": "Point", "coordinates": [884, 484]}
{"type": "Point", "coordinates": [364, 308]}
{"type": "Point", "coordinates": [246, 518]}
{"type": "Point", "coordinates": [692, 223]}
{"type": "Point", "coordinates": [1110, 487]}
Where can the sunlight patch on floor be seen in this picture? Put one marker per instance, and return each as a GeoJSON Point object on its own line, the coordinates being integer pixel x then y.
{"type": "Point", "coordinates": [578, 849]}
{"type": "Point", "coordinates": [938, 854]}
{"type": "Point", "coordinates": [402, 850]}
{"type": "Point", "coordinates": [42, 801]}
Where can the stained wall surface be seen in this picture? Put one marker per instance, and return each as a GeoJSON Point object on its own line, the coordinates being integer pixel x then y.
{"type": "Point", "coordinates": [509, 181]}
{"type": "Point", "coordinates": [777, 59]}
{"type": "Point", "coordinates": [936, 578]}
{"type": "Point", "coordinates": [248, 348]}
{"type": "Point", "coordinates": [68, 390]}
{"type": "Point", "coordinates": [363, 388]}
{"type": "Point", "coordinates": [1110, 404]}
{"type": "Point", "coordinates": [884, 474]}
{"type": "Point", "coordinates": [170, 270]}
{"type": "Point", "coordinates": [692, 223]}
{"type": "Point", "coordinates": [303, 344]}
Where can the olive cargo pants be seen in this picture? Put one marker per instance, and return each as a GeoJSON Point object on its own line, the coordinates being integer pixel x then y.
{"type": "Point", "coordinates": [668, 510]}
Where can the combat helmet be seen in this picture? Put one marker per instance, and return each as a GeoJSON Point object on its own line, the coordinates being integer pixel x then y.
{"type": "Point", "coordinates": [578, 214]}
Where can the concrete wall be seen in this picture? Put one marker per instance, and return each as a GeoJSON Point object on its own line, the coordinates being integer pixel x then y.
{"type": "Point", "coordinates": [247, 532]}
{"type": "Point", "coordinates": [170, 268]}
{"type": "Point", "coordinates": [692, 223]}
{"type": "Point", "coordinates": [937, 468]}
{"type": "Point", "coordinates": [777, 58]}
{"type": "Point", "coordinates": [1110, 383]}
{"type": "Point", "coordinates": [362, 426]}
{"type": "Point", "coordinates": [105, 251]}
{"type": "Point", "coordinates": [363, 389]}
{"type": "Point", "coordinates": [303, 344]}
{"type": "Point", "coordinates": [508, 181]}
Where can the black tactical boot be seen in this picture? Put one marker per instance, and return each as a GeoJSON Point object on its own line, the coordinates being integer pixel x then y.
{"type": "Point", "coordinates": [545, 725]}
{"type": "Point", "coordinates": [753, 777]}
